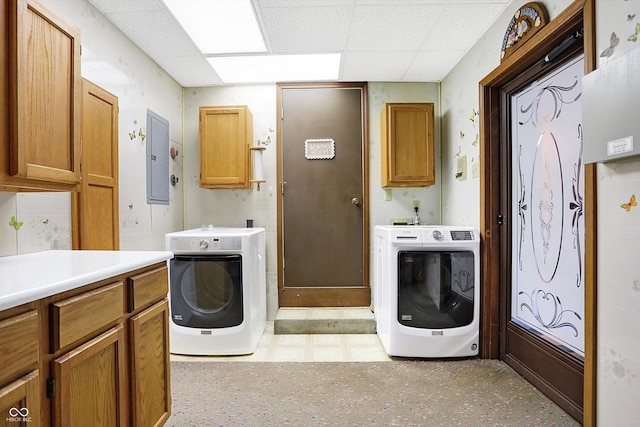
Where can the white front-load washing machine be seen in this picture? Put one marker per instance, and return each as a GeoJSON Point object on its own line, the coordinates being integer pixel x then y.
{"type": "Point", "coordinates": [217, 290]}
{"type": "Point", "coordinates": [426, 290]}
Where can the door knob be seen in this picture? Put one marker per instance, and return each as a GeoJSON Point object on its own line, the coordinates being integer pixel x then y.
{"type": "Point", "coordinates": [355, 201]}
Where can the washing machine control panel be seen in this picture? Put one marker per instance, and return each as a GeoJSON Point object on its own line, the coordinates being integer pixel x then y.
{"type": "Point", "coordinates": [437, 234]}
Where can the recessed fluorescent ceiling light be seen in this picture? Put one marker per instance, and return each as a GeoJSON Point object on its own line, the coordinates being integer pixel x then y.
{"type": "Point", "coordinates": [219, 26]}
{"type": "Point", "coordinates": [276, 68]}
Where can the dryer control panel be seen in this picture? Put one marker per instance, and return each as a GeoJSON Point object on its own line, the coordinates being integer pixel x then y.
{"type": "Point", "coordinates": [205, 244]}
{"type": "Point", "coordinates": [462, 235]}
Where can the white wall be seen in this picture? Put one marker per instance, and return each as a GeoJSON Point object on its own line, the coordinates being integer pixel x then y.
{"type": "Point", "coordinates": [231, 208]}
{"type": "Point", "coordinates": [460, 97]}
{"type": "Point", "coordinates": [618, 378]}
{"type": "Point", "coordinates": [401, 203]}
{"type": "Point", "coordinates": [112, 61]}
{"type": "Point", "coordinates": [618, 281]}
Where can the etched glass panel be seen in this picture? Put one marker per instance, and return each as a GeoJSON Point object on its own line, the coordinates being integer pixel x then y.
{"type": "Point", "coordinates": [547, 217]}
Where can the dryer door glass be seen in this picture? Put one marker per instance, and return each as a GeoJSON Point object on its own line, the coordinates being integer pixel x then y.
{"type": "Point", "coordinates": [435, 289]}
{"type": "Point", "coordinates": [206, 291]}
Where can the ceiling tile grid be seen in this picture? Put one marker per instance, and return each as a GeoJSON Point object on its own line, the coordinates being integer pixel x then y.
{"type": "Point", "coordinates": [381, 40]}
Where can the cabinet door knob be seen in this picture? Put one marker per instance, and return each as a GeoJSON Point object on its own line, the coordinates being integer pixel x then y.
{"type": "Point", "coordinates": [355, 201]}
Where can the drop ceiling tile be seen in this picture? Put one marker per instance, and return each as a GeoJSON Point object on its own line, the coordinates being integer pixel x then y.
{"type": "Point", "coordinates": [428, 2]}
{"type": "Point", "coordinates": [111, 6]}
{"type": "Point", "coordinates": [472, 21]}
{"type": "Point", "coordinates": [302, 3]}
{"type": "Point", "coordinates": [307, 29]}
{"type": "Point", "coordinates": [391, 28]}
{"type": "Point", "coordinates": [433, 66]}
{"type": "Point", "coordinates": [157, 33]}
{"type": "Point", "coordinates": [378, 66]}
{"type": "Point", "coordinates": [190, 71]}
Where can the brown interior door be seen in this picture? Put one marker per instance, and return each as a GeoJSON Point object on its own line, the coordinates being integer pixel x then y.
{"type": "Point", "coordinates": [96, 204]}
{"type": "Point", "coordinates": [323, 201]}
{"type": "Point", "coordinates": [500, 336]}
{"type": "Point", "coordinates": [543, 333]}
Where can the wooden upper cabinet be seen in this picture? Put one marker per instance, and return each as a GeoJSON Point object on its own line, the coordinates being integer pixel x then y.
{"type": "Point", "coordinates": [226, 133]}
{"type": "Point", "coordinates": [44, 95]}
{"type": "Point", "coordinates": [408, 155]}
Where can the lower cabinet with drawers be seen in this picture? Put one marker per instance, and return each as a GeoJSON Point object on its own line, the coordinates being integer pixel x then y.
{"type": "Point", "coordinates": [94, 356]}
{"type": "Point", "coordinates": [19, 366]}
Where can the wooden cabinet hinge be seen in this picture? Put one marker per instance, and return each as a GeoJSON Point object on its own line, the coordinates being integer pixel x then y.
{"type": "Point", "coordinates": [51, 387]}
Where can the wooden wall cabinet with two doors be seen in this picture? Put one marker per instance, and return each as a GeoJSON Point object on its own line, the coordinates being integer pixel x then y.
{"type": "Point", "coordinates": [101, 357]}
{"type": "Point", "coordinates": [408, 155]}
{"type": "Point", "coordinates": [226, 135]}
{"type": "Point", "coordinates": [40, 105]}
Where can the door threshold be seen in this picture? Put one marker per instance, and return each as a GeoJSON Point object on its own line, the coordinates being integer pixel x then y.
{"type": "Point", "coordinates": [324, 320]}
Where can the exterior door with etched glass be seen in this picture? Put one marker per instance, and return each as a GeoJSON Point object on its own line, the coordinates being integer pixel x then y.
{"type": "Point", "coordinates": [545, 326]}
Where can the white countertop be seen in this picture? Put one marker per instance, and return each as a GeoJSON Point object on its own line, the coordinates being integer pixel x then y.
{"type": "Point", "coordinates": [30, 277]}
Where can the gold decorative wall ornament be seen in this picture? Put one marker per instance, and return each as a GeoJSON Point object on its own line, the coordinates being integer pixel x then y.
{"type": "Point", "coordinates": [527, 21]}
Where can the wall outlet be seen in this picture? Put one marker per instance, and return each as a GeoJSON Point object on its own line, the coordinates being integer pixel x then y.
{"type": "Point", "coordinates": [387, 195]}
{"type": "Point", "coordinates": [416, 204]}
{"type": "Point", "coordinates": [461, 172]}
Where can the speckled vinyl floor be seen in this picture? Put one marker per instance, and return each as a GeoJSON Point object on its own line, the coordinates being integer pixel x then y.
{"type": "Point", "coordinates": [347, 380]}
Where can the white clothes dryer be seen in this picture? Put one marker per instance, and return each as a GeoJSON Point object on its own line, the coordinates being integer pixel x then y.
{"type": "Point", "coordinates": [427, 290]}
{"type": "Point", "coordinates": [217, 290]}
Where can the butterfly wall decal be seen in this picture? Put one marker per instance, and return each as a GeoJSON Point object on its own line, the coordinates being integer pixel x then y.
{"type": "Point", "coordinates": [13, 222]}
{"type": "Point", "coordinates": [630, 17]}
{"type": "Point", "coordinates": [634, 37]}
{"type": "Point", "coordinates": [132, 135]}
{"type": "Point", "coordinates": [613, 43]}
{"type": "Point", "coordinates": [141, 135]}
{"type": "Point", "coordinates": [474, 115]}
{"type": "Point", "coordinates": [632, 202]}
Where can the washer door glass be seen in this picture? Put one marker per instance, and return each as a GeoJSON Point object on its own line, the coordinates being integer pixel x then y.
{"type": "Point", "coordinates": [435, 289]}
{"type": "Point", "coordinates": [206, 291]}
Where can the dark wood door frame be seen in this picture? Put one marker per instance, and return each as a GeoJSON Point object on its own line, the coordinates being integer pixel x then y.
{"type": "Point", "coordinates": [347, 296]}
{"type": "Point", "coordinates": [581, 13]}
